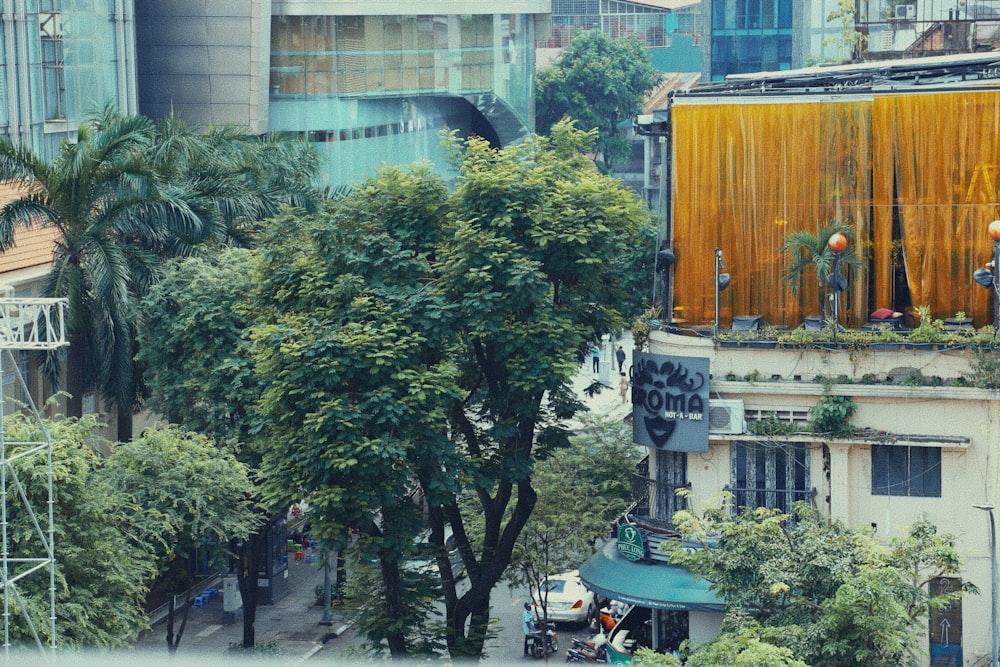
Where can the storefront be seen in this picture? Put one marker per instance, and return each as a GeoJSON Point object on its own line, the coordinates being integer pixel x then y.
{"type": "Point", "coordinates": [679, 604]}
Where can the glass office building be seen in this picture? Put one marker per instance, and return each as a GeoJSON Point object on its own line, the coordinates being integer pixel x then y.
{"type": "Point", "coordinates": [750, 36]}
{"type": "Point", "coordinates": [369, 84]}
{"type": "Point", "coordinates": [375, 89]}
{"type": "Point", "coordinates": [60, 60]}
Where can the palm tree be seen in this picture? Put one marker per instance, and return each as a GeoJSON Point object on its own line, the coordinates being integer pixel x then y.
{"type": "Point", "coordinates": [115, 220]}
{"type": "Point", "coordinates": [811, 250]}
{"type": "Point", "coordinates": [239, 178]}
{"type": "Point", "coordinates": [125, 195]}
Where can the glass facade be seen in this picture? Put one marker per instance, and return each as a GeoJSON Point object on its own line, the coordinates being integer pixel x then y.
{"type": "Point", "coordinates": [361, 55]}
{"type": "Point", "coordinates": [378, 89]}
{"type": "Point", "coordinates": [60, 60]}
{"type": "Point", "coordinates": [750, 36]}
{"type": "Point", "coordinates": [618, 18]}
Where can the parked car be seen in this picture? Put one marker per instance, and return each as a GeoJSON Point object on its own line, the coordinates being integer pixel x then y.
{"type": "Point", "coordinates": [425, 562]}
{"type": "Point", "coordinates": [567, 600]}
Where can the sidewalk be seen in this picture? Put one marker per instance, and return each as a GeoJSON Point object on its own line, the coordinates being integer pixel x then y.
{"type": "Point", "coordinates": [608, 403]}
{"type": "Point", "coordinates": [293, 623]}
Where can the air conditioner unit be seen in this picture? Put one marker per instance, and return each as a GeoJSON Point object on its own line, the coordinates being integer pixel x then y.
{"type": "Point", "coordinates": [726, 417]}
{"type": "Point", "coordinates": [906, 12]}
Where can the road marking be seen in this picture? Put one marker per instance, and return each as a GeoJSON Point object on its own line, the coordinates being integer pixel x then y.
{"type": "Point", "coordinates": [209, 630]}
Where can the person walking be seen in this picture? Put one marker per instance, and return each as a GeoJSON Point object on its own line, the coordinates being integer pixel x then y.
{"type": "Point", "coordinates": [623, 387]}
{"type": "Point", "coordinates": [620, 356]}
{"type": "Point", "coordinates": [527, 625]}
{"type": "Point", "coordinates": [595, 356]}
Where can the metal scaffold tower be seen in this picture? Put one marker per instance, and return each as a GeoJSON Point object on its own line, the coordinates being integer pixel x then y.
{"type": "Point", "coordinates": [26, 324]}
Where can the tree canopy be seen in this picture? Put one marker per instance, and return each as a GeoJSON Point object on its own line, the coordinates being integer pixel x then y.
{"type": "Point", "coordinates": [417, 344]}
{"type": "Point", "coordinates": [599, 82]}
{"type": "Point", "coordinates": [188, 500]}
{"type": "Point", "coordinates": [831, 595]}
{"type": "Point", "coordinates": [102, 569]}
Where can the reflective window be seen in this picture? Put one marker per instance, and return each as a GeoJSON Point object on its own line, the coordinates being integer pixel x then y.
{"type": "Point", "coordinates": [906, 471]}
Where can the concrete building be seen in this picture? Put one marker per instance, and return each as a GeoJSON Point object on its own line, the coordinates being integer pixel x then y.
{"type": "Point", "coordinates": [670, 29]}
{"type": "Point", "coordinates": [369, 84]}
{"type": "Point", "coordinates": [904, 152]}
{"type": "Point", "coordinates": [918, 452]}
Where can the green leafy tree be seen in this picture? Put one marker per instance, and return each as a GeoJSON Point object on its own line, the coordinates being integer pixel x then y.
{"type": "Point", "coordinates": [829, 594]}
{"type": "Point", "coordinates": [102, 570]}
{"type": "Point", "coordinates": [200, 374]}
{"type": "Point", "coordinates": [810, 251]}
{"type": "Point", "coordinates": [744, 649]}
{"type": "Point", "coordinates": [419, 344]}
{"type": "Point", "coordinates": [357, 384]}
{"type": "Point", "coordinates": [581, 489]}
{"type": "Point", "coordinates": [599, 82]}
{"type": "Point", "coordinates": [189, 500]}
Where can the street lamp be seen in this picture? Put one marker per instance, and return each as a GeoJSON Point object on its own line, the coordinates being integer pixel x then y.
{"type": "Point", "coordinates": [721, 283]}
{"type": "Point", "coordinates": [837, 243]}
{"type": "Point", "coordinates": [993, 544]}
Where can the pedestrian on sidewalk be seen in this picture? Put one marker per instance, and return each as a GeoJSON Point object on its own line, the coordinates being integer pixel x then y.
{"type": "Point", "coordinates": [623, 387]}
{"type": "Point", "coordinates": [620, 356]}
{"type": "Point", "coordinates": [595, 356]}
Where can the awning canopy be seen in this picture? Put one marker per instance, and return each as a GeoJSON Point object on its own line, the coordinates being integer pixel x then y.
{"type": "Point", "coordinates": [653, 585]}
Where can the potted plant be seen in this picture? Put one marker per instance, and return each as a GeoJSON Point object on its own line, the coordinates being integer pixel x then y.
{"type": "Point", "coordinates": [810, 250]}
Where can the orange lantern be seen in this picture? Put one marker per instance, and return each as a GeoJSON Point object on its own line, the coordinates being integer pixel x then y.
{"type": "Point", "coordinates": [838, 242]}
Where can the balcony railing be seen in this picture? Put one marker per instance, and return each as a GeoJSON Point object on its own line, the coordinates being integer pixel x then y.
{"type": "Point", "coordinates": [782, 499]}
{"type": "Point", "coordinates": [655, 502]}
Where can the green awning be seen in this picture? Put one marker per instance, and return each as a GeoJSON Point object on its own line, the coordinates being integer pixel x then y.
{"type": "Point", "coordinates": [653, 585]}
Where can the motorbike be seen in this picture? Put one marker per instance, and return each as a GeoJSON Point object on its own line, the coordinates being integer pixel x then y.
{"type": "Point", "coordinates": [588, 650]}
{"type": "Point", "coordinates": [551, 642]}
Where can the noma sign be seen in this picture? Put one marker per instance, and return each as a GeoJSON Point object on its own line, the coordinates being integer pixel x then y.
{"type": "Point", "coordinates": [630, 544]}
{"type": "Point", "coordinates": [670, 402]}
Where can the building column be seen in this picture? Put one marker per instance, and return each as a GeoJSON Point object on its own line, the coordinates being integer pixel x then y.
{"type": "Point", "coordinates": [839, 488]}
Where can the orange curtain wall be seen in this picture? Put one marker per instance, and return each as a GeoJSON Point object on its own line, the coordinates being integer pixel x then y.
{"type": "Point", "coordinates": [747, 174]}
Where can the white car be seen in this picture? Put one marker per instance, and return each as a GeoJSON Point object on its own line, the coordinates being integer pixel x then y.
{"type": "Point", "coordinates": [566, 598]}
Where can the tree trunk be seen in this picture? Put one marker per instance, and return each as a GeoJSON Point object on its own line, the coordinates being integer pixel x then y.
{"type": "Point", "coordinates": [393, 606]}
{"type": "Point", "coordinates": [74, 375]}
{"type": "Point", "coordinates": [822, 303]}
{"type": "Point", "coordinates": [246, 574]}
{"type": "Point", "coordinates": [124, 423]}
{"type": "Point", "coordinates": [468, 617]}
{"type": "Point", "coordinates": [173, 641]}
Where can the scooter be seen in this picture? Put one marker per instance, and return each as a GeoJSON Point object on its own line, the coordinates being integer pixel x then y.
{"type": "Point", "coordinates": [588, 650]}
{"type": "Point", "coordinates": [535, 647]}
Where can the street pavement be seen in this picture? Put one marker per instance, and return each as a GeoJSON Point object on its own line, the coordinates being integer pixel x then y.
{"type": "Point", "coordinates": [294, 624]}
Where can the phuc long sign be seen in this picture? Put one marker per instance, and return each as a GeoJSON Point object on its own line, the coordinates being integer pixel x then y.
{"type": "Point", "coordinates": [670, 402]}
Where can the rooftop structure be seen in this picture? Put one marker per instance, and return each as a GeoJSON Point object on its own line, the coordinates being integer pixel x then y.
{"type": "Point", "coordinates": [902, 151]}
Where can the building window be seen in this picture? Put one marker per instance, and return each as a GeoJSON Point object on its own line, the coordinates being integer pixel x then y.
{"type": "Point", "coordinates": [53, 88]}
{"type": "Point", "coordinates": [769, 474]}
{"type": "Point", "coordinates": [906, 471]}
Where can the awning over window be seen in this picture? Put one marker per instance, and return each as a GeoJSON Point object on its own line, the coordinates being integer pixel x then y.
{"type": "Point", "coordinates": [653, 585]}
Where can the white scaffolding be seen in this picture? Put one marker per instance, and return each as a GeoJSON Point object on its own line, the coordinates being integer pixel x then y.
{"type": "Point", "coordinates": [27, 324]}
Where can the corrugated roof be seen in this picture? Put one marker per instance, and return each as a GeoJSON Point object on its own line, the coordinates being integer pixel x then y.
{"type": "Point", "coordinates": [32, 247]}
{"type": "Point", "coordinates": [671, 82]}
